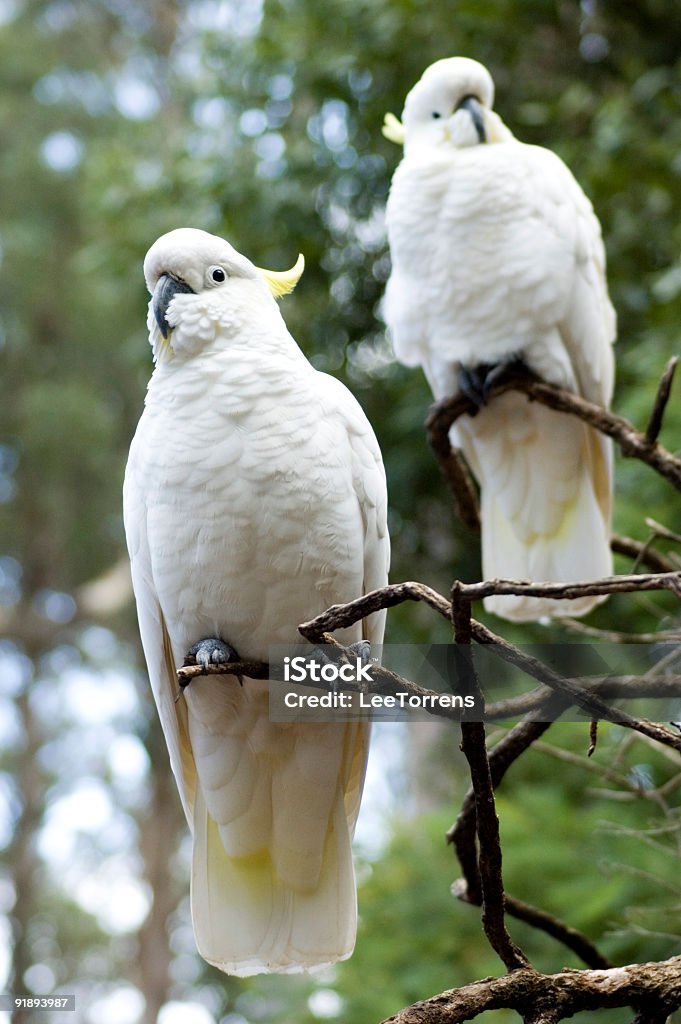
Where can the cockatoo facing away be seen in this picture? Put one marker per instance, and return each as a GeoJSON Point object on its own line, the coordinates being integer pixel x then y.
{"type": "Point", "coordinates": [497, 257]}
{"type": "Point", "coordinates": [254, 498]}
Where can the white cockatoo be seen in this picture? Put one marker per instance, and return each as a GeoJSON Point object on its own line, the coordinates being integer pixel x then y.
{"type": "Point", "coordinates": [254, 499]}
{"type": "Point", "coordinates": [497, 258]}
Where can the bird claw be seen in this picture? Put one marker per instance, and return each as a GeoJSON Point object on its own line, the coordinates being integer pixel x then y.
{"type": "Point", "coordinates": [210, 651]}
{"type": "Point", "coordinates": [471, 381]}
{"type": "Point", "coordinates": [362, 650]}
{"type": "Point", "coordinates": [476, 382]}
{"type": "Point", "coordinates": [514, 365]}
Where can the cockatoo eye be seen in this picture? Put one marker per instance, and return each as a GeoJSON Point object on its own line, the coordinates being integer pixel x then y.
{"type": "Point", "coordinates": [436, 114]}
{"type": "Point", "coordinates": [217, 275]}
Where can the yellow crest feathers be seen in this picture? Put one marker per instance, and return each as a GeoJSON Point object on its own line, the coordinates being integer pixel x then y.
{"type": "Point", "coordinates": [281, 282]}
{"type": "Point", "coordinates": [393, 129]}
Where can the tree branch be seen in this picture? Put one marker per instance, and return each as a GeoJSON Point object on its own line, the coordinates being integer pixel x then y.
{"type": "Point", "coordinates": [643, 554]}
{"type": "Point", "coordinates": [537, 700]}
{"type": "Point", "coordinates": [662, 397]}
{"type": "Point", "coordinates": [455, 472]}
{"type": "Point", "coordinates": [593, 705]}
{"type": "Point", "coordinates": [571, 591]}
{"type": "Point", "coordinates": [338, 616]}
{"type": "Point", "coordinates": [384, 681]}
{"type": "Point", "coordinates": [570, 937]}
{"type": "Point", "coordinates": [481, 862]}
{"type": "Point", "coordinates": [652, 990]}
{"type": "Point", "coordinates": [342, 615]}
{"type": "Point", "coordinates": [474, 748]}
{"type": "Point", "coordinates": [462, 832]}
{"type": "Point", "coordinates": [462, 836]}
{"type": "Point", "coordinates": [632, 442]}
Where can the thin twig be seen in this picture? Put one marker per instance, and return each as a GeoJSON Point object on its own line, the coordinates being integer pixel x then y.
{"type": "Point", "coordinates": [662, 531]}
{"type": "Point", "coordinates": [642, 553]}
{"type": "Point", "coordinates": [631, 687]}
{"type": "Point", "coordinates": [588, 701]}
{"type": "Point", "coordinates": [252, 669]}
{"type": "Point", "coordinates": [612, 636]}
{"type": "Point", "coordinates": [662, 397]}
{"type": "Point", "coordinates": [571, 938]}
{"type": "Point", "coordinates": [571, 591]}
{"type": "Point", "coordinates": [602, 770]}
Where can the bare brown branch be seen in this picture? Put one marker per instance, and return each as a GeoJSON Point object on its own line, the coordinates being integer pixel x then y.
{"type": "Point", "coordinates": [338, 616]}
{"type": "Point", "coordinates": [474, 748]}
{"type": "Point", "coordinates": [590, 702]}
{"type": "Point", "coordinates": [455, 471]}
{"type": "Point", "coordinates": [463, 837]}
{"type": "Point", "coordinates": [659, 530]}
{"type": "Point", "coordinates": [539, 700]}
{"type": "Point", "coordinates": [383, 681]}
{"type": "Point", "coordinates": [571, 591]}
{"type": "Point", "coordinates": [462, 834]}
{"type": "Point", "coordinates": [252, 669]}
{"type": "Point", "coordinates": [632, 442]}
{"type": "Point", "coordinates": [662, 397]}
{"type": "Point", "coordinates": [570, 937]}
{"type": "Point", "coordinates": [341, 616]}
{"type": "Point", "coordinates": [650, 989]}
{"type": "Point", "coordinates": [642, 553]}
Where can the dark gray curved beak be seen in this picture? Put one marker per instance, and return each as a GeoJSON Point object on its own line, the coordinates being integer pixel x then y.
{"type": "Point", "coordinates": [167, 287]}
{"type": "Point", "coordinates": [474, 107]}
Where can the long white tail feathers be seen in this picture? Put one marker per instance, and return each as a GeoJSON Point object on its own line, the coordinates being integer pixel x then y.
{"type": "Point", "coordinates": [579, 552]}
{"type": "Point", "coordinates": [545, 503]}
{"type": "Point", "coordinates": [261, 913]}
{"type": "Point", "coordinates": [247, 921]}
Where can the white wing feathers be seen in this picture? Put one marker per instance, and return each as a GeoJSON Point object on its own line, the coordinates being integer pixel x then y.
{"type": "Point", "coordinates": [156, 643]}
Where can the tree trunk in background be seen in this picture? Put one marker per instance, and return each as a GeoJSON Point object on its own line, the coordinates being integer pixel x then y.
{"type": "Point", "coordinates": [22, 859]}
{"type": "Point", "coordinates": [159, 832]}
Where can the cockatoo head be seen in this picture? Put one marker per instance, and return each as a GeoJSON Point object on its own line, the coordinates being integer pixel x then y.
{"type": "Point", "coordinates": [191, 273]}
{"type": "Point", "coordinates": [450, 106]}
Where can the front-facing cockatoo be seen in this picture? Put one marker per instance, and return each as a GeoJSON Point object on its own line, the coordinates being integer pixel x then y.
{"type": "Point", "coordinates": [254, 499]}
{"type": "Point", "coordinates": [497, 258]}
